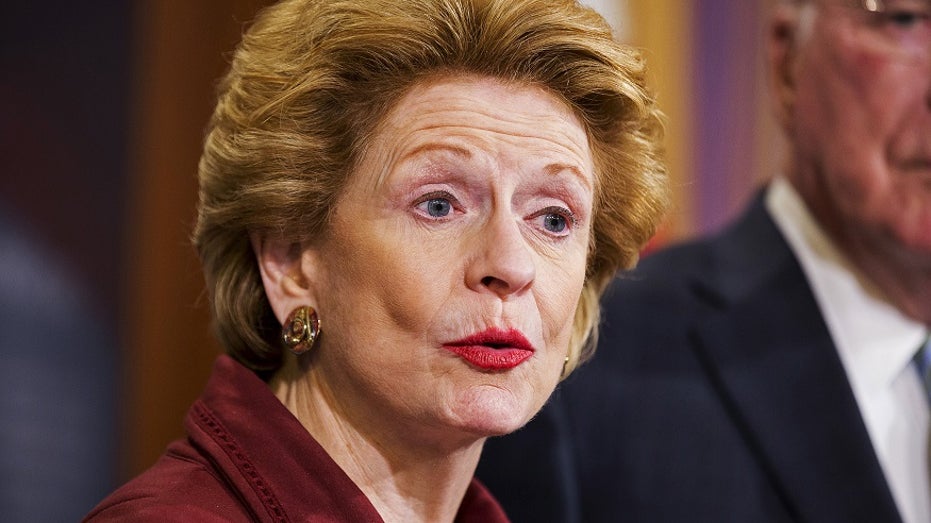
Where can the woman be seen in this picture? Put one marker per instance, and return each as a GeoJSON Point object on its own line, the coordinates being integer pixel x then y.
{"type": "Point", "coordinates": [408, 212]}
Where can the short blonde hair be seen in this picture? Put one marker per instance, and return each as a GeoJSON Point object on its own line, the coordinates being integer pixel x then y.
{"type": "Point", "coordinates": [312, 79]}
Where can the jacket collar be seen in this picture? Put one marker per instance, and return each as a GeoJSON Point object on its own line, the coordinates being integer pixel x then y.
{"type": "Point", "coordinates": [275, 465]}
{"type": "Point", "coordinates": [785, 386]}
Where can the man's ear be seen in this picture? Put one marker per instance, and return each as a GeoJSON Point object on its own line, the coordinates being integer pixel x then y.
{"type": "Point", "coordinates": [782, 50]}
{"type": "Point", "coordinates": [281, 264]}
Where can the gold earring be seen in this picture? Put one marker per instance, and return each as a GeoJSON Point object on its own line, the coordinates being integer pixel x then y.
{"type": "Point", "coordinates": [565, 363]}
{"type": "Point", "coordinates": [301, 329]}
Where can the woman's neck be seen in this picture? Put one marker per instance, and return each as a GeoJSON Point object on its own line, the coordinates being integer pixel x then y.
{"type": "Point", "coordinates": [406, 476]}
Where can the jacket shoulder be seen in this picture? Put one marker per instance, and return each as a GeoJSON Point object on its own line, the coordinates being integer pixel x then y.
{"type": "Point", "coordinates": [661, 279]}
{"type": "Point", "coordinates": [181, 486]}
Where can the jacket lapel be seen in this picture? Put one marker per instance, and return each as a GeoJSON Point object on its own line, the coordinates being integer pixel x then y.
{"type": "Point", "coordinates": [766, 348]}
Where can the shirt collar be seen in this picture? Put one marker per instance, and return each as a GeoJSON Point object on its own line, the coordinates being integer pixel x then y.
{"type": "Point", "coordinates": [876, 342]}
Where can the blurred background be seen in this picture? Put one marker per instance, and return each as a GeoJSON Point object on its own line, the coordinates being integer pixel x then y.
{"type": "Point", "coordinates": [104, 331]}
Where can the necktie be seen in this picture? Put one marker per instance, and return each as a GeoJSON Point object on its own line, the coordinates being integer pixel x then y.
{"type": "Point", "coordinates": [923, 364]}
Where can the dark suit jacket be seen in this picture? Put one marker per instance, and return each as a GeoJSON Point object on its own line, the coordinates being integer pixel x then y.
{"type": "Point", "coordinates": [716, 395]}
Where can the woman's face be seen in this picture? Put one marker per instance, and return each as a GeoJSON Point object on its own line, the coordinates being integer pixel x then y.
{"type": "Point", "coordinates": [448, 280]}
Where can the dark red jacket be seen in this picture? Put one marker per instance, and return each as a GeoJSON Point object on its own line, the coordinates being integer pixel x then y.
{"type": "Point", "coordinates": [247, 458]}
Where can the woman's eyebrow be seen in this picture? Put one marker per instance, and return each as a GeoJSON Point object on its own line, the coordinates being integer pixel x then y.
{"type": "Point", "coordinates": [434, 146]}
{"type": "Point", "coordinates": [557, 168]}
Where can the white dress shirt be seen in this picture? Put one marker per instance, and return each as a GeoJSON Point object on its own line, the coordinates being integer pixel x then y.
{"type": "Point", "coordinates": [876, 344]}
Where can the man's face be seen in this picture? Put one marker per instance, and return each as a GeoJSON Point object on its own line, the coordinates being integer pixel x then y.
{"type": "Point", "coordinates": [859, 123]}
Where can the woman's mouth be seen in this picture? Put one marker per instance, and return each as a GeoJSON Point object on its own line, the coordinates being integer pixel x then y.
{"type": "Point", "coordinates": [493, 349]}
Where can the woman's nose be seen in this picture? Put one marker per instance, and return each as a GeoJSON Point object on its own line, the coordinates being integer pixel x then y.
{"type": "Point", "coordinates": [503, 262]}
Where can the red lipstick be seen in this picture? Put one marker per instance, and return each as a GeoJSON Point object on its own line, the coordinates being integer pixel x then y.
{"type": "Point", "coordinates": [493, 349]}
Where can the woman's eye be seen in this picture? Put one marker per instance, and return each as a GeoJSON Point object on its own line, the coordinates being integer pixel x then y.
{"type": "Point", "coordinates": [556, 220]}
{"type": "Point", "coordinates": [555, 223]}
{"type": "Point", "coordinates": [436, 205]}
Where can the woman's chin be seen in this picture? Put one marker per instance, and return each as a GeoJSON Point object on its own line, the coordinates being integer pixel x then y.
{"type": "Point", "coordinates": [492, 411]}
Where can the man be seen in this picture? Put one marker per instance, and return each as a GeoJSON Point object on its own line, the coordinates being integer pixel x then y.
{"type": "Point", "coordinates": [768, 373]}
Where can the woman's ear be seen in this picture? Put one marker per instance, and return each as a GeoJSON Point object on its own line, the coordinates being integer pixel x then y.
{"type": "Point", "coordinates": [282, 265]}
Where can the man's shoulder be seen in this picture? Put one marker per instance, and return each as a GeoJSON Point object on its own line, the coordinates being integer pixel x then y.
{"type": "Point", "coordinates": [668, 271]}
{"type": "Point", "coordinates": [678, 258]}
{"type": "Point", "coordinates": [747, 247]}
